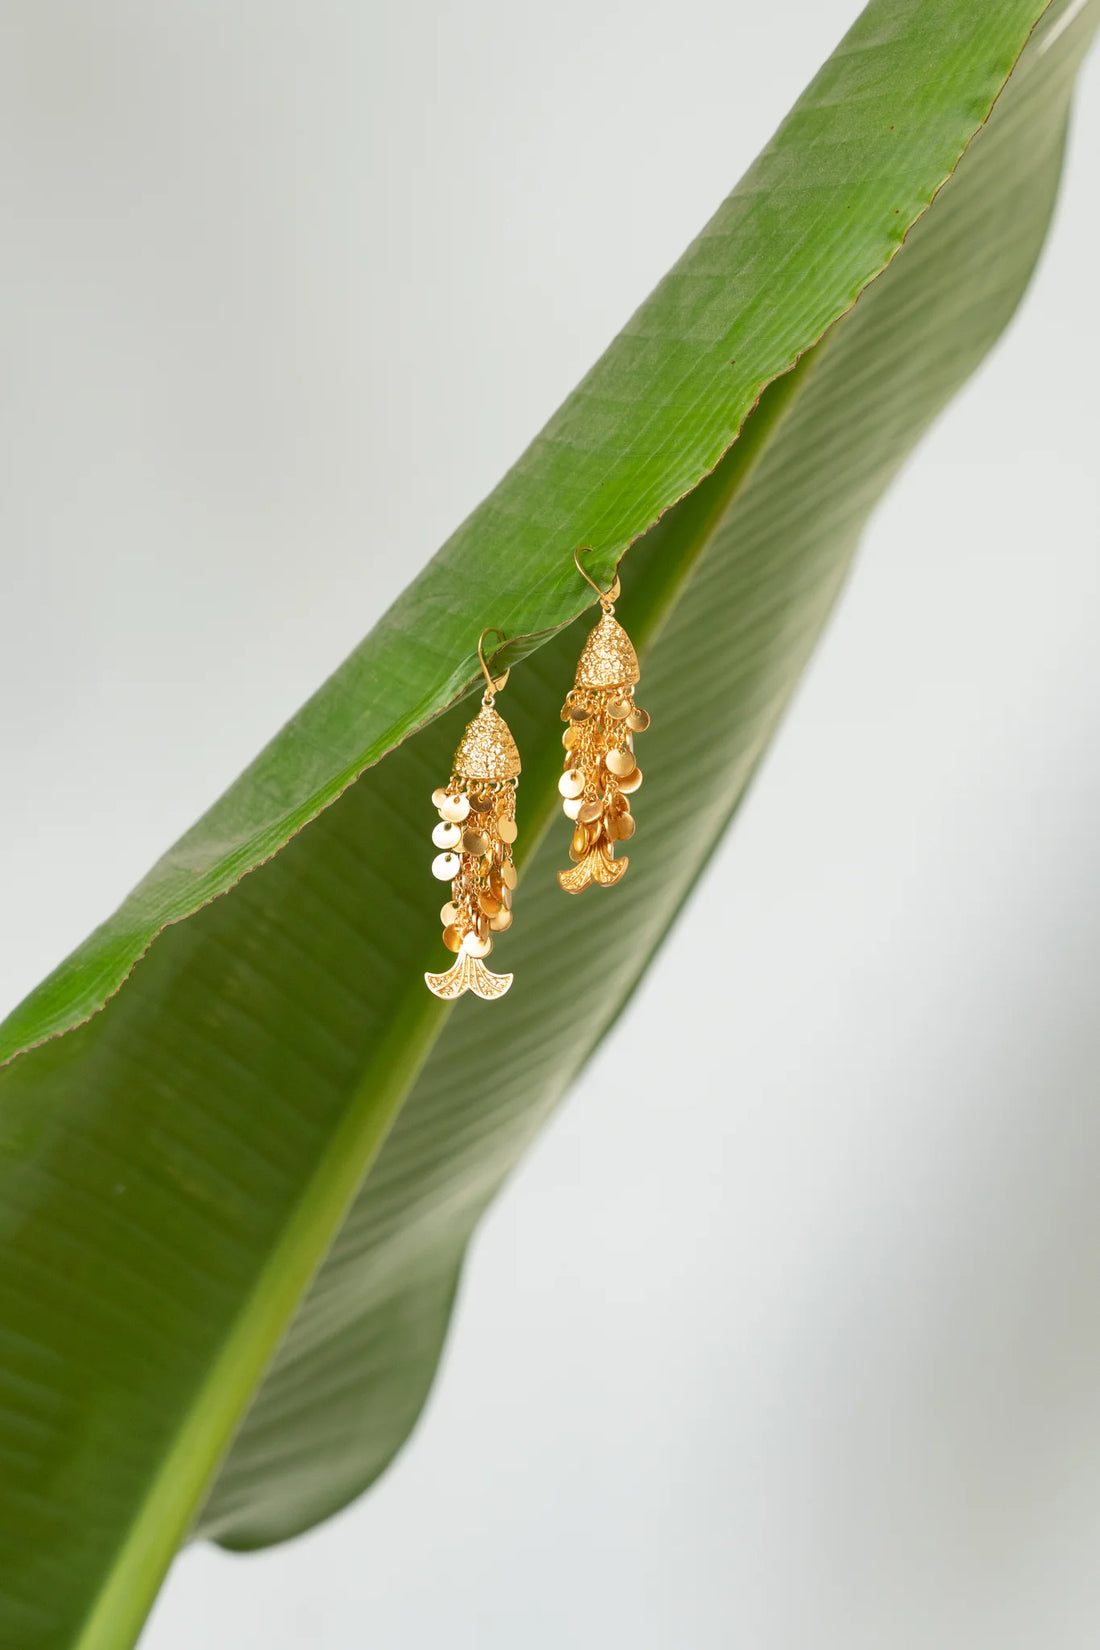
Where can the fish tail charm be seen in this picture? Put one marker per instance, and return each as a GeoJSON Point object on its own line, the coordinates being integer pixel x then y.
{"type": "Point", "coordinates": [596, 864]}
{"type": "Point", "coordinates": [601, 773]}
{"type": "Point", "coordinates": [476, 830]}
{"type": "Point", "coordinates": [469, 973]}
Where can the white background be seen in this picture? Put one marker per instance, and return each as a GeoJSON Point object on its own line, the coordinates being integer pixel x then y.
{"type": "Point", "coordinates": [788, 1334]}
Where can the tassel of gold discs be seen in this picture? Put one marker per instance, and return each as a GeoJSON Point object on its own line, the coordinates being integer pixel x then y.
{"type": "Point", "coordinates": [477, 814]}
{"type": "Point", "coordinates": [601, 773]}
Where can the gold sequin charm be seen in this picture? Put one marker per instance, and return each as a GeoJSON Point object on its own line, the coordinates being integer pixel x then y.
{"type": "Point", "coordinates": [477, 812]}
{"type": "Point", "coordinates": [600, 768]}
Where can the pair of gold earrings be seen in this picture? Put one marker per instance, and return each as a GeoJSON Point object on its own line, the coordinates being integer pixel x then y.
{"type": "Point", "coordinates": [477, 806]}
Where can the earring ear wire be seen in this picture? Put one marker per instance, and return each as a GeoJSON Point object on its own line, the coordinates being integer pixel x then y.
{"type": "Point", "coordinates": [497, 684]}
{"type": "Point", "coordinates": [608, 596]}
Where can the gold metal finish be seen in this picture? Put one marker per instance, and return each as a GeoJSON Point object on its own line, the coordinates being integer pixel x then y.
{"type": "Point", "coordinates": [619, 762]}
{"type": "Point", "coordinates": [598, 865]}
{"type": "Point", "coordinates": [487, 749]}
{"type": "Point", "coordinates": [477, 809]}
{"type": "Point", "coordinates": [606, 596]}
{"type": "Point", "coordinates": [468, 974]}
{"type": "Point", "coordinates": [608, 660]}
{"type": "Point", "coordinates": [493, 684]}
{"type": "Point", "coordinates": [620, 828]}
{"type": "Point", "coordinates": [601, 767]}
{"type": "Point", "coordinates": [455, 808]}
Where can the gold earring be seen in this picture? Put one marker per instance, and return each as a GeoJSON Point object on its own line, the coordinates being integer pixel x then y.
{"type": "Point", "coordinates": [601, 773]}
{"type": "Point", "coordinates": [477, 813]}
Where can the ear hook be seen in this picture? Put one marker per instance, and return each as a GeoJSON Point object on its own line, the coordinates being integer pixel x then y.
{"type": "Point", "coordinates": [492, 684]}
{"type": "Point", "coordinates": [611, 594]}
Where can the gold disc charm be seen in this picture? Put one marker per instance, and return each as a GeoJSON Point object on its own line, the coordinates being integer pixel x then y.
{"type": "Point", "coordinates": [455, 808]}
{"type": "Point", "coordinates": [620, 763]}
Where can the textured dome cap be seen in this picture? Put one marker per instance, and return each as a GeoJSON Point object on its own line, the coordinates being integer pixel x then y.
{"type": "Point", "coordinates": [487, 749]}
{"type": "Point", "coordinates": [608, 659]}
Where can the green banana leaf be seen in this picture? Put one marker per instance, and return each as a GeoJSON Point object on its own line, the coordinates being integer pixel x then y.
{"type": "Point", "coordinates": [242, 1149]}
